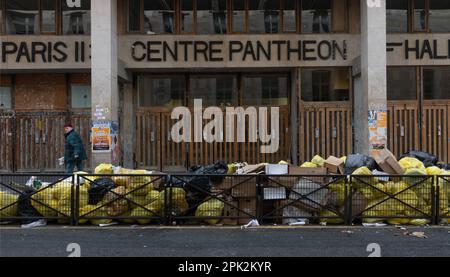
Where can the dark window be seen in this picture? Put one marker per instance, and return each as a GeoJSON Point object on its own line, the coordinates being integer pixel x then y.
{"type": "Point", "coordinates": [214, 91]}
{"type": "Point", "coordinates": [211, 16]}
{"type": "Point", "coordinates": [48, 16]}
{"type": "Point", "coordinates": [290, 16]}
{"type": "Point", "coordinates": [134, 15]}
{"type": "Point", "coordinates": [316, 15]}
{"type": "Point", "coordinates": [22, 17]}
{"type": "Point", "coordinates": [265, 91]}
{"type": "Point", "coordinates": [264, 16]}
{"type": "Point", "coordinates": [5, 97]}
{"type": "Point", "coordinates": [238, 16]}
{"type": "Point", "coordinates": [325, 85]}
{"type": "Point", "coordinates": [439, 16]}
{"type": "Point", "coordinates": [159, 17]}
{"type": "Point", "coordinates": [401, 83]}
{"type": "Point", "coordinates": [161, 92]}
{"type": "Point", "coordinates": [420, 15]}
{"type": "Point", "coordinates": [81, 96]}
{"type": "Point", "coordinates": [76, 20]}
{"type": "Point", "coordinates": [436, 83]}
{"type": "Point", "coordinates": [397, 16]}
{"type": "Point", "coordinates": [187, 16]}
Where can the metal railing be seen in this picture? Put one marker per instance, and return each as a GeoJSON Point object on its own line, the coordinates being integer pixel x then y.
{"type": "Point", "coordinates": [187, 199]}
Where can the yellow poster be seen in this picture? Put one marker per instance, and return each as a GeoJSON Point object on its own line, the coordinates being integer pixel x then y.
{"type": "Point", "coordinates": [101, 137]}
{"type": "Point", "coordinates": [377, 130]}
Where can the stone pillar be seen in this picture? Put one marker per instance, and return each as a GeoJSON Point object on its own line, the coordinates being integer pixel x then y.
{"type": "Point", "coordinates": [128, 128]}
{"type": "Point", "coordinates": [104, 64]}
{"type": "Point", "coordinates": [370, 92]}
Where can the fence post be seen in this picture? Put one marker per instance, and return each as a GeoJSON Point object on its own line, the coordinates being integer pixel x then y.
{"type": "Point", "coordinates": [435, 195]}
{"type": "Point", "coordinates": [349, 200]}
{"type": "Point", "coordinates": [167, 203]}
{"type": "Point", "coordinates": [259, 203]}
{"type": "Point", "coordinates": [73, 200]}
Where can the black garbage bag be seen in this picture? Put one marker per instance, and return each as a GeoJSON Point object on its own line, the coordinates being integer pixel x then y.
{"type": "Point", "coordinates": [426, 158]}
{"type": "Point", "coordinates": [25, 208]}
{"type": "Point", "coordinates": [355, 161]}
{"type": "Point", "coordinates": [99, 188]}
{"type": "Point", "coordinates": [198, 187]}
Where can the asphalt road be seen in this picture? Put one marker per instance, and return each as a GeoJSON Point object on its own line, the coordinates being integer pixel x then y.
{"type": "Point", "coordinates": [223, 242]}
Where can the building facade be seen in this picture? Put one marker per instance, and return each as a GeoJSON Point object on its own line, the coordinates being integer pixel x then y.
{"type": "Point", "coordinates": [348, 76]}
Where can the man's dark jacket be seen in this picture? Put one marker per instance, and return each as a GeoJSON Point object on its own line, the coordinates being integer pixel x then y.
{"type": "Point", "coordinates": [74, 147]}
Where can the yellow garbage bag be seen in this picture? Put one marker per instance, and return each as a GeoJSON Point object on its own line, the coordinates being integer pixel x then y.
{"type": "Point", "coordinates": [46, 196]}
{"type": "Point", "coordinates": [362, 182]}
{"type": "Point", "coordinates": [118, 205]}
{"type": "Point", "coordinates": [308, 165]}
{"type": "Point", "coordinates": [372, 193]}
{"type": "Point", "coordinates": [231, 169]}
{"type": "Point", "coordinates": [104, 169]}
{"type": "Point", "coordinates": [283, 162]}
{"type": "Point", "coordinates": [318, 160]}
{"type": "Point", "coordinates": [85, 211]}
{"type": "Point", "coordinates": [179, 203]}
{"type": "Point", "coordinates": [433, 170]}
{"type": "Point", "coordinates": [100, 213]}
{"type": "Point", "coordinates": [144, 200]}
{"type": "Point", "coordinates": [379, 211]}
{"type": "Point", "coordinates": [151, 210]}
{"type": "Point", "coordinates": [343, 158]}
{"type": "Point", "coordinates": [211, 208]}
{"type": "Point", "coordinates": [409, 162]}
{"type": "Point", "coordinates": [398, 221]}
{"type": "Point", "coordinates": [121, 180]}
{"type": "Point", "coordinates": [338, 190]}
{"type": "Point", "coordinates": [419, 222]}
{"type": "Point", "coordinates": [141, 184]}
{"type": "Point", "coordinates": [326, 213]}
{"type": "Point", "coordinates": [7, 199]}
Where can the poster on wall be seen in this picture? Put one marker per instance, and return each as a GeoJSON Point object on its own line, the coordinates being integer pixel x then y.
{"type": "Point", "coordinates": [377, 130]}
{"type": "Point", "coordinates": [101, 137]}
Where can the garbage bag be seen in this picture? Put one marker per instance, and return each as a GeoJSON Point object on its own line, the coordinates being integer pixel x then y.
{"type": "Point", "coordinates": [179, 203]}
{"type": "Point", "coordinates": [318, 160]}
{"type": "Point", "coordinates": [25, 208]}
{"type": "Point", "coordinates": [7, 199]}
{"type": "Point", "coordinates": [198, 187]}
{"type": "Point", "coordinates": [144, 200]}
{"type": "Point", "coordinates": [49, 206]}
{"type": "Point", "coordinates": [355, 161]}
{"type": "Point", "coordinates": [283, 162]}
{"type": "Point", "coordinates": [328, 213]}
{"type": "Point", "coordinates": [419, 222]}
{"type": "Point", "coordinates": [104, 169]}
{"type": "Point", "coordinates": [416, 180]}
{"type": "Point", "coordinates": [398, 221]}
{"type": "Point", "coordinates": [426, 158]}
{"type": "Point", "coordinates": [433, 170]}
{"type": "Point", "coordinates": [373, 192]}
{"type": "Point", "coordinates": [338, 196]}
{"type": "Point", "coordinates": [99, 188]}
{"type": "Point", "coordinates": [409, 163]}
{"type": "Point", "coordinates": [115, 204]}
{"type": "Point", "coordinates": [361, 182]}
{"type": "Point", "coordinates": [141, 185]}
{"type": "Point", "coordinates": [343, 158]}
{"type": "Point", "coordinates": [151, 210]}
{"type": "Point", "coordinates": [87, 211]}
{"type": "Point", "coordinates": [308, 165]}
{"type": "Point", "coordinates": [211, 208]}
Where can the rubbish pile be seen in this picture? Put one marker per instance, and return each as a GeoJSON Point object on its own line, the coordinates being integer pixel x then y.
{"type": "Point", "coordinates": [383, 190]}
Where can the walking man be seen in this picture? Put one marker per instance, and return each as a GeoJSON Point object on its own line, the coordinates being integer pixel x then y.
{"type": "Point", "coordinates": [74, 150]}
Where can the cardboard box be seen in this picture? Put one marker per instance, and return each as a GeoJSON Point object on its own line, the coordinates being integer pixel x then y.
{"type": "Point", "coordinates": [334, 165]}
{"type": "Point", "coordinates": [247, 205]}
{"type": "Point", "coordinates": [244, 186]}
{"type": "Point", "coordinates": [388, 163]}
{"type": "Point", "coordinates": [251, 168]}
{"type": "Point", "coordinates": [274, 193]}
{"type": "Point", "coordinates": [310, 172]}
{"type": "Point", "coordinates": [277, 169]}
{"type": "Point", "coordinates": [224, 185]}
{"type": "Point", "coordinates": [296, 170]}
{"type": "Point", "coordinates": [281, 181]}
